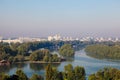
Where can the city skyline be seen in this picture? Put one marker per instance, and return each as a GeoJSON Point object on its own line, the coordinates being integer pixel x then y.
{"type": "Point", "coordinates": [77, 18]}
{"type": "Point", "coordinates": [58, 37]}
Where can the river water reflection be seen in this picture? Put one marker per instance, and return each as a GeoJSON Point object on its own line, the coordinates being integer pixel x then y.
{"type": "Point", "coordinates": [91, 65]}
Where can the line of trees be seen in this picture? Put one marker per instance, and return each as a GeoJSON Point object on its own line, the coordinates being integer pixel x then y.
{"type": "Point", "coordinates": [20, 75]}
{"type": "Point", "coordinates": [106, 74]}
{"type": "Point", "coordinates": [69, 73]}
{"type": "Point", "coordinates": [103, 51]}
{"type": "Point", "coordinates": [51, 73]}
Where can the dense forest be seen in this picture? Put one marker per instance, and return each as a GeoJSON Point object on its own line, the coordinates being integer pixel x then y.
{"type": "Point", "coordinates": [102, 51]}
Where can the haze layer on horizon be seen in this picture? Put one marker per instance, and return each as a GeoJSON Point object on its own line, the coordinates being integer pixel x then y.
{"type": "Point", "coordinates": [76, 18]}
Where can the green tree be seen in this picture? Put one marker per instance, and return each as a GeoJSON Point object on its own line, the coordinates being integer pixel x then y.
{"type": "Point", "coordinates": [36, 77]}
{"type": "Point", "coordinates": [66, 50]}
{"type": "Point", "coordinates": [10, 59]}
{"type": "Point", "coordinates": [68, 72]}
{"type": "Point", "coordinates": [49, 72]}
{"type": "Point", "coordinates": [39, 54]}
{"type": "Point", "coordinates": [79, 73]}
{"type": "Point", "coordinates": [23, 49]}
{"type": "Point", "coordinates": [46, 58]}
{"type": "Point", "coordinates": [21, 74]}
{"type": "Point", "coordinates": [106, 74]}
{"type": "Point", "coordinates": [4, 76]}
{"type": "Point", "coordinates": [4, 56]}
{"type": "Point", "coordinates": [92, 77]}
{"type": "Point", "coordinates": [55, 58]}
{"type": "Point", "coordinates": [19, 58]}
{"type": "Point", "coordinates": [68, 68]}
{"type": "Point", "coordinates": [53, 73]}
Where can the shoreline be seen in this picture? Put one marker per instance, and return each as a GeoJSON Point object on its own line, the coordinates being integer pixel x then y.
{"type": "Point", "coordinates": [42, 62]}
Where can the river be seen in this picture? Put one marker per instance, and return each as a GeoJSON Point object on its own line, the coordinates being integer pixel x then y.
{"type": "Point", "coordinates": [90, 64]}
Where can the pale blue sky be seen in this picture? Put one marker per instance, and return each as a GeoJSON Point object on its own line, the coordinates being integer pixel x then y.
{"type": "Point", "coordinates": [41, 18]}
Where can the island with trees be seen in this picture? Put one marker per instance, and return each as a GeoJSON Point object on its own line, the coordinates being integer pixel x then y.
{"type": "Point", "coordinates": [44, 55]}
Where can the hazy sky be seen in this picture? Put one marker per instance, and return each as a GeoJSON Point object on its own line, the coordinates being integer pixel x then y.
{"type": "Point", "coordinates": [76, 18]}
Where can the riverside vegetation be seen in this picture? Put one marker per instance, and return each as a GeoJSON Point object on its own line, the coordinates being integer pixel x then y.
{"type": "Point", "coordinates": [102, 51]}
{"type": "Point", "coordinates": [41, 51]}
{"type": "Point", "coordinates": [21, 52]}
{"type": "Point", "coordinates": [38, 51]}
{"type": "Point", "coordinates": [69, 73]}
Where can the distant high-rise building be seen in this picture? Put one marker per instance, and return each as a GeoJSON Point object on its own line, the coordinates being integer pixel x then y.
{"type": "Point", "coordinates": [56, 37]}
{"type": "Point", "coordinates": [50, 38]}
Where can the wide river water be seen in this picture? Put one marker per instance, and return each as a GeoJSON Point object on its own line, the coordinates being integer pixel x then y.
{"type": "Point", "coordinates": [90, 64]}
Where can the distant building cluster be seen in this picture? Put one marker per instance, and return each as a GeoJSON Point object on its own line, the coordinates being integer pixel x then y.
{"type": "Point", "coordinates": [21, 40]}
{"type": "Point", "coordinates": [100, 39]}
{"type": "Point", "coordinates": [57, 37]}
